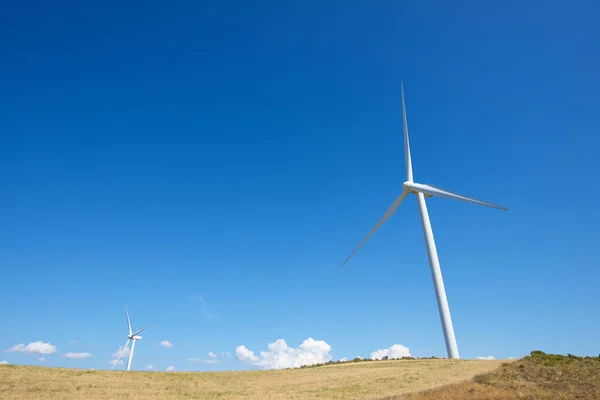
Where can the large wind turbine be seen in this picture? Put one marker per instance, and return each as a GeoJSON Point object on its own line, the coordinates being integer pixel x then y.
{"type": "Point", "coordinates": [421, 190]}
{"type": "Point", "coordinates": [130, 337]}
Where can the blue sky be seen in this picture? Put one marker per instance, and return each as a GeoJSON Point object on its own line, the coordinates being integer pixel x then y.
{"type": "Point", "coordinates": [212, 164]}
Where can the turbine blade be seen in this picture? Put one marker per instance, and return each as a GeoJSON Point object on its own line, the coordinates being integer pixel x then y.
{"type": "Point", "coordinates": [409, 173]}
{"type": "Point", "coordinates": [431, 190]}
{"type": "Point", "coordinates": [385, 217]}
{"type": "Point", "coordinates": [120, 354]}
{"type": "Point", "coordinates": [141, 330]}
{"type": "Point", "coordinates": [128, 321]}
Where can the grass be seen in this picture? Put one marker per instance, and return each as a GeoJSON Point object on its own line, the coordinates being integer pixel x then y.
{"type": "Point", "coordinates": [361, 380]}
{"type": "Point", "coordinates": [539, 376]}
{"type": "Point", "coordinates": [536, 377]}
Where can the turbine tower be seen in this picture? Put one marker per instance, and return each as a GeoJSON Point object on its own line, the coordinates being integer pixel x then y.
{"type": "Point", "coordinates": [130, 337]}
{"type": "Point", "coordinates": [422, 190]}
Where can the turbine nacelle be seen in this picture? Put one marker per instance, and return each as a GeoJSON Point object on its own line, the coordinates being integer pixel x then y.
{"type": "Point", "coordinates": [135, 337]}
{"type": "Point", "coordinates": [409, 186]}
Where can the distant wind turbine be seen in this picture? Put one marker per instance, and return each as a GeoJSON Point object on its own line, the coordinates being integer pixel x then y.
{"type": "Point", "coordinates": [421, 190]}
{"type": "Point", "coordinates": [130, 337]}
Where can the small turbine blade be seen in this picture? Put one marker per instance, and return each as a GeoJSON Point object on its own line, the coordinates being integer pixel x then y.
{"type": "Point", "coordinates": [128, 321]}
{"type": "Point", "coordinates": [385, 217]}
{"type": "Point", "coordinates": [431, 190]}
{"type": "Point", "coordinates": [409, 172]}
{"type": "Point", "coordinates": [141, 330]}
{"type": "Point", "coordinates": [121, 353]}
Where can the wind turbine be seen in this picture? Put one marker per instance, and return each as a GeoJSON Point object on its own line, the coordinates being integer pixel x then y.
{"type": "Point", "coordinates": [422, 190]}
{"type": "Point", "coordinates": [131, 337]}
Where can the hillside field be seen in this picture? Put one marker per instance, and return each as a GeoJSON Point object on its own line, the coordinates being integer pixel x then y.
{"type": "Point", "coordinates": [538, 376]}
{"type": "Point", "coordinates": [364, 380]}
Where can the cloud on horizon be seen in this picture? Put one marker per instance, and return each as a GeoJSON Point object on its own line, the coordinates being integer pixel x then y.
{"type": "Point", "coordinates": [280, 355]}
{"type": "Point", "coordinates": [170, 368]}
{"type": "Point", "coordinates": [39, 348]}
{"type": "Point", "coordinates": [123, 352]}
{"type": "Point", "coordinates": [395, 351]}
{"type": "Point", "coordinates": [76, 356]}
{"type": "Point", "coordinates": [203, 361]}
{"type": "Point", "coordinates": [486, 358]}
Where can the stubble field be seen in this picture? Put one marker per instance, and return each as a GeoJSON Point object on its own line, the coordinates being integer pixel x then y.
{"type": "Point", "coordinates": [368, 380]}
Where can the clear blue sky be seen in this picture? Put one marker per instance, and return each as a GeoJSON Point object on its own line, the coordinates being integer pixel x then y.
{"type": "Point", "coordinates": [152, 153]}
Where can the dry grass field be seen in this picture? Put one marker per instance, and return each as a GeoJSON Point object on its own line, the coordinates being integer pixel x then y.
{"type": "Point", "coordinates": [536, 377]}
{"type": "Point", "coordinates": [368, 380]}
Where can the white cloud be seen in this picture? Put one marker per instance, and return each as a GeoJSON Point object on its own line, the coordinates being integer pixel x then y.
{"type": "Point", "coordinates": [120, 354]}
{"type": "Point", "coordinates": [76, 356]}
{"type": "Point", "coordinates": [33, 348]}
{"type": "Point", "coordinates": [17, 347]}
{"type": "Point", "coordinates": [396, 351]}
{"type": "Point", "coordinates": [225, 354]}
{"type": "Point", "coordinates": [242, 353]}
{"type": "Point", "coordinates": [511, 358]}
{"type": "Point", "coordinates": [123, 352]}
{"type": "Point", "coordinates": [41, 359]}
{"type": "Point", "coordinates": [343, 359]}
{"type": "Point", "coordinates": [280, 355]}
{"type": "Point", "coordinates": [72, 341]}
{"type": "Point", "coordinates": [204, 361]}
{"type": "Point", "coordinates": [166, 343]}
{"type": "Point", "coordinates": [486, 358]}
{"type": "Point", "coordinates": [3, 362]}
{"type": "Point", "coordinates": [149, 366]}
{"type": "Point", "coordinates": [170, 368]}
{"type": "Point", "coordinates": [212, 355]}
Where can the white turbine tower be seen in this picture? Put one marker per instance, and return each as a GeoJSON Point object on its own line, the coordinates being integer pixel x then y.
{"type": "Point", "coordinates": [421, 190]}
{"type": "Point", "coordinates": [130, 337]}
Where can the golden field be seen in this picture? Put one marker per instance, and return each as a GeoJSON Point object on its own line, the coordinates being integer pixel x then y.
{"type": "Point", "coordinates": [536, 377]}
{"type": "Point", "coordinates": [363, 380]}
